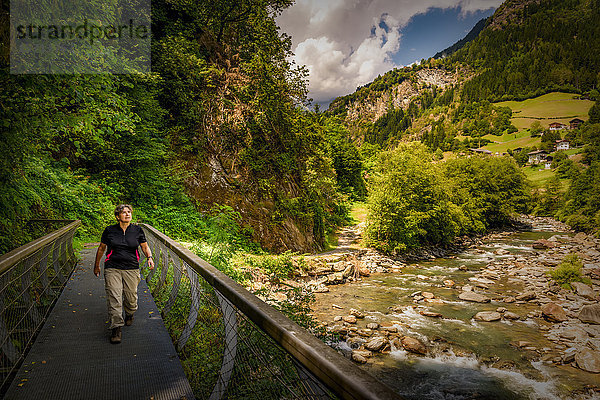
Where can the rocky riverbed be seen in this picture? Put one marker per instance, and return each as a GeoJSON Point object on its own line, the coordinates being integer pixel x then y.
{"type": "Point", "coordinates": [492, 305]}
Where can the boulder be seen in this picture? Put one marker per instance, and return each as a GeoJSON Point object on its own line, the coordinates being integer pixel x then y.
{"type": "Point", "coordinates": [413, 345]}
{"type": "Point", "coordinates": [573, 333]}
{"type": "Point", "coordinates": [529, 295]}
{"type": "Point", "coordinates": [351, 319]}
{"type": "Point", "coordinates": [553, 312]}
{"type": "Point", "coordinates": [356, 313]}
{"type": "Point", "coordinates": [584, 290]}
{"type": "Point", "coordinates": [590, 314]}
{"type": "Point", "coordinates": [376, 344]}
{"type": "Point", "coordinates": [488, 316]}
{"type": "Point", "coordinates": [588, 360]}
{"type": "Point", "coordinates": [472, 296]}
{"type": "Point", "coordinates": [372, 325]}
{"type": "Point", "coordinates": [427, 295]}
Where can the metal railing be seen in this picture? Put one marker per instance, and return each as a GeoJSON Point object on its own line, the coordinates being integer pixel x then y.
{"type": "Point", "coordinates": [233, 345]}
{"type": "Point", "coordinates": [31, 279]}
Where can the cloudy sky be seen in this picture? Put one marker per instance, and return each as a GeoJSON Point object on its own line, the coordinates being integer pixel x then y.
{"type": "Point", "coordinates": [347, 43]}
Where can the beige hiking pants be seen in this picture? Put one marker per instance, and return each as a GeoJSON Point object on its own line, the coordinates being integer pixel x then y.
{"type": "Point", "coordinates": [121, 292]}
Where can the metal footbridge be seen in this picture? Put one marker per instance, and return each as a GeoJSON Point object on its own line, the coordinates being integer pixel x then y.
{"type": "Point", "coordinates": [197, 334]}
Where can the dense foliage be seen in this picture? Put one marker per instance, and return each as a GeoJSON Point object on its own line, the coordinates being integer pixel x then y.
{"type": "Point", "coordinates": [414, 200]}
{"type": "Point", "coordinates": [534, 49]}
{"type": "Point", "coordinates": [222, 98]}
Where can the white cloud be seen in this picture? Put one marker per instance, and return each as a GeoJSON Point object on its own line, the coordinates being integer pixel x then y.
{"type": "Point", "coordinates": [344, 43]}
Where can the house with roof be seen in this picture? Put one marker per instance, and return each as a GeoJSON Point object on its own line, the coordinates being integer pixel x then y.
{"type": "Point", "coordinates": [557, 126]}
{"type": "Point", "coordinates": [481, 151]}
{"type": "Point", "coordinates": [575, 123]}
{"type": "Point", "coordinates": [562, 144]}
{"type": "Point", "coordinates": [548, 162]}
{"type": "Point", "coordinates": [538, 156]}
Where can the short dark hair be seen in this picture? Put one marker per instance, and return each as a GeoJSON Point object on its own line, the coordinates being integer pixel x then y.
{"type": "Point", "coordinates": [120, 208]}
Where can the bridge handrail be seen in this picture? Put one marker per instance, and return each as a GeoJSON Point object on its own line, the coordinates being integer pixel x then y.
{"type": "Point", "coordinates": [31, 279]}
{"type": "Point", "coordinates": [338, 373]}
{"type": "Point", "coordinates": [14, 256]}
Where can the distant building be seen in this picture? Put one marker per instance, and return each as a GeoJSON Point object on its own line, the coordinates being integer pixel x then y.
{"type": "Point", "coordinates": [538, 156]}
{"type": "Point", "coordinates": [481, 151]}
{"type": "Point", "coordinates": [575, 123]}
{"type": "Point", "coordinates": [562, 144]}
{"type": "Point", "coordinates": [557, 126]}
{"type": "Point", "coordinates": [548, 162]}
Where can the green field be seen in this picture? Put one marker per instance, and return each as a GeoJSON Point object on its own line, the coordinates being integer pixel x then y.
{"type": "Point", "coordinates": [551, 107]}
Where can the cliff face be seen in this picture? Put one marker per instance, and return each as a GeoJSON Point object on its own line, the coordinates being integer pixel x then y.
{"type": "Point", "coordinates": [376, 103]}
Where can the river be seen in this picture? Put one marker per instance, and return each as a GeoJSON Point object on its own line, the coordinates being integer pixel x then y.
{"type": "Point", "coordinates": [466, 359]}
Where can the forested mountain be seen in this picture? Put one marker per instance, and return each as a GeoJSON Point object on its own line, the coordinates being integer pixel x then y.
{"type": "Point", "coordinates": [531, 47]}
{"type": "Point", "coordinates": [218, 122]}
{"type": "Point", "coordinates": [473, 33]}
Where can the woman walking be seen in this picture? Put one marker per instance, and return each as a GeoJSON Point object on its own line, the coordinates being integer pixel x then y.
{"type": "Point", "coordinates": [122, 268]}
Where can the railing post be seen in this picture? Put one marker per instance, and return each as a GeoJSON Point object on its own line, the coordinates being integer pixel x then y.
{"type": "Point", "coordinates": [193, 315]}
{"type": "Point", "coordinates": [231, 338]}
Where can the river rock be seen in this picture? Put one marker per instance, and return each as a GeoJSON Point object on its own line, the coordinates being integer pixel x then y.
{"type": "Point", "coordinates": [553, 312]}
{"type": "Point", "coordinates": [509, 299]}
{"type": "Point", "coordinates": [529, 295]}
{"type": "Point", "coordinates": [573, 333]}
{"type": "Point", "coordinates": [472, 296]}
{"type": "Point", "coordinates": [356, 357]}
{"type": "Point", "coordinates": [413, 345]}
{"type": "Point", "coordinates": [349, 271]}
{"type": "Point", "coordinates": [543, 244]}
{"type": "Point", "coordinates": [588, 360]}
{"type": "Point", "coordinates": [449, 283]}
{"type": "Point", "coordinates": [590, 314]}
{"type": "Point", "coordinates": [351, 319]}
{"type": "Point", "coordinates": [501, 252]}
{"type": "Point", "coordinates": [376, 344]}
{"type": "Point", "coordinates": [584, 290]}
{"type": "Point", "coordinates": [355, 342]}
{"type": "Point", "coordinates": [356, 313]}
{"type": "Point", "coordinates": [431, 314]}
{"type": "Point", "coordinates": [511, 315]}
{"type": "Point", "coordinates": [364, 353]}
{"type": "Point", "coordinates": [372, 325]}
{"type": "Point", "coordinates": [427, 295]}
{"type": "Point", "coordinates": [488, 316]}
{"type": "Point", "coordinates": [568, 355]}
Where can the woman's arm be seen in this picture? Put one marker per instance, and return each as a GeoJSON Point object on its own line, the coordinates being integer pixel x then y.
{"type": "Point", "coordinates": [148, 253]}
{"type": "Point", "coordinates": [99, 254]}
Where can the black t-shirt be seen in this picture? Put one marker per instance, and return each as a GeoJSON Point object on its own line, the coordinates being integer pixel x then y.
{"type": "Point", "coordinates": [122, 252]}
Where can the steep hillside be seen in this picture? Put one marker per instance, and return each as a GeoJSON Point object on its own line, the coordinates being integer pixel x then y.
{"type": "Point", "coordinates": [531, 47]}
{"type": "Point", "coordinates": [473, 33]}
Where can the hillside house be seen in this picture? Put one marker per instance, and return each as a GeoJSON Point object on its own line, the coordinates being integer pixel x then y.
{"type": "Point", "coordinates": [575, 123]}
{"type": "Point", "coordinates": [481, 151]}
{"type": "Point", "coordinates": [557, 126]}
{"type": "Point", "coordinates": [538, 156]}
{"type": "Point", "coordinates": [562, 145]}
{"type": "Point", "coordinates": [548, 162]}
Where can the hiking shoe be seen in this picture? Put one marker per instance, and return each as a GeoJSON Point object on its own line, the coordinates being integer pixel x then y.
{"type": "Point", "coordinates": [128, 319]}
{"type": "Point", "coordinates": [115, 336]}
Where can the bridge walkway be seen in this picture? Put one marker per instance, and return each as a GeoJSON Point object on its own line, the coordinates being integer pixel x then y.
{"type": "Point", "coordinates": [72, 357]}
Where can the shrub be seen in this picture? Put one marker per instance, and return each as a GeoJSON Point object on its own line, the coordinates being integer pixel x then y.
{"type": "Point", "coordinates": [568, 271]}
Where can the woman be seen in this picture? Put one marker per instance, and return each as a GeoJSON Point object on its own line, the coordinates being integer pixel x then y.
{"type": "Point", "coordinates": [122, 268]}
